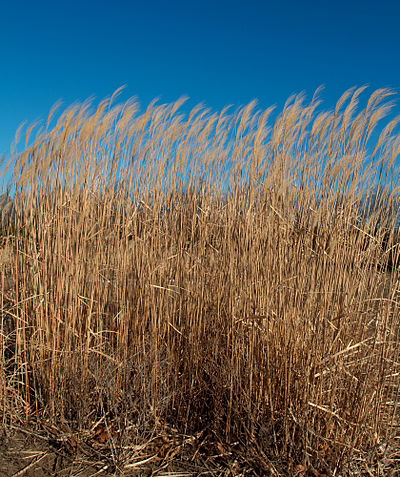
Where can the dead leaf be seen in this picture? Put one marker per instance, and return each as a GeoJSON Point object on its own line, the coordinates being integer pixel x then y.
{"type": "Point", "coordinates": [299, 471]}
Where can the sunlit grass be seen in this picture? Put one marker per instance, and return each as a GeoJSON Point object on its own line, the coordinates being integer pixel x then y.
{"type": "Point", "coordinates": [213, 273]}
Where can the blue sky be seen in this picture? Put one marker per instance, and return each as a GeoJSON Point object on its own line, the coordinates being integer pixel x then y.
{"type": "Point", "coordinates": [215, 52]}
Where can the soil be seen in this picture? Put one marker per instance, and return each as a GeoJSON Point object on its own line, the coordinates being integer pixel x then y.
{"type": "Point", "coordinates": [29, 456]}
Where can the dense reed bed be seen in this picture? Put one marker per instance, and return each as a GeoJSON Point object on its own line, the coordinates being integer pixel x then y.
{"type": "Point", "coordinates": [224, 285]}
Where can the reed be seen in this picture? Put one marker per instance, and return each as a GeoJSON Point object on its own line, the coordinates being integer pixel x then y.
{"type": "Point", "coordinates": [221, 276]}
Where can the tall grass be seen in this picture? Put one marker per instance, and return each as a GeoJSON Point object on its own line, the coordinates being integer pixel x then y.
{"type": "Point", "coordinates": [219, 274]}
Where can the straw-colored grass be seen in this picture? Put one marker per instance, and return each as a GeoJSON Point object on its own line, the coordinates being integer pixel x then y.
{"type": "Point", "coordinates": [222, 282]}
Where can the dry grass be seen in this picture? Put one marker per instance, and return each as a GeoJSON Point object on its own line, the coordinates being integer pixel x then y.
{"type": "Point", "coordinates": [207, 288]}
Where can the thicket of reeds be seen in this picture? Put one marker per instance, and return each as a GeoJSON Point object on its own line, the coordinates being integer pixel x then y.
{"type": "Point", "coordinates": [227, 283]}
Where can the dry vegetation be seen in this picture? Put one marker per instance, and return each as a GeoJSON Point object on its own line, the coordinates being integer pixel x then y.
{"type": "Point", "coordinates": [206, 290]}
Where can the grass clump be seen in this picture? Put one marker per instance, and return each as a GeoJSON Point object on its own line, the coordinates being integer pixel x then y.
{"type": "Point", "coordinates": [208, 287]}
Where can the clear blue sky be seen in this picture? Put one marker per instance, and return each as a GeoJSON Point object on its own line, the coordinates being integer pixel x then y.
{"type": "Point", "coordinates": [216, 52]}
